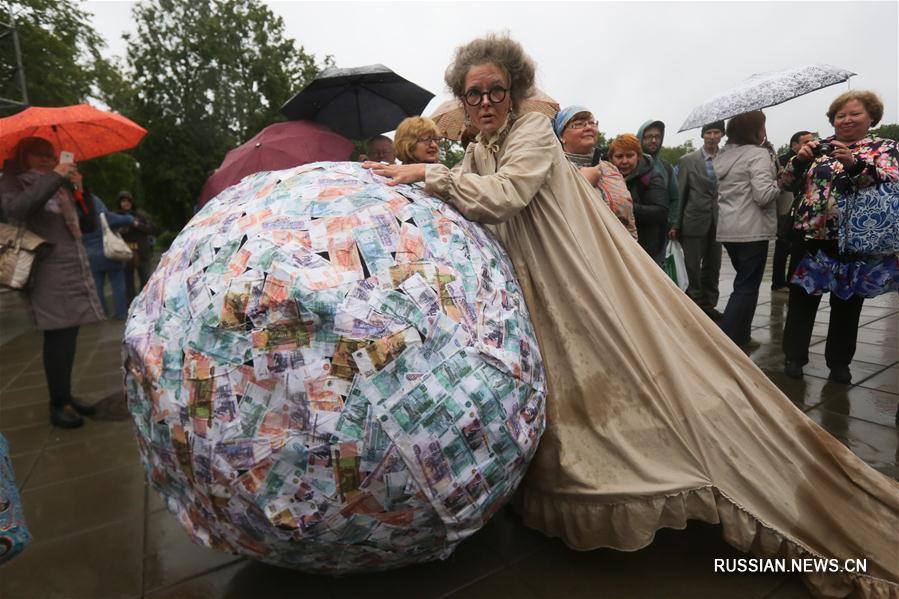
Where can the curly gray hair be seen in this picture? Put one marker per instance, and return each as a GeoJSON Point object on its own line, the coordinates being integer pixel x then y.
{"type": "Point", "coordinates": [499, 50]}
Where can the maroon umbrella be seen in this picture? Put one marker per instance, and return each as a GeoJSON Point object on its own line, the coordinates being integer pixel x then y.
{"type": "Point", "coordinates": [278, 146]}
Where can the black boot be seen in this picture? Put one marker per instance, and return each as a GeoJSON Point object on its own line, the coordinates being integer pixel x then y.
{"type": "Point", "coordinates": [85, 409]}
{"type": "Point", "coordinates": [792, 369]}
{"type": "Point", "coordinates": [840, 374]}
{"type": "Point", "coordinates": [65, 416]}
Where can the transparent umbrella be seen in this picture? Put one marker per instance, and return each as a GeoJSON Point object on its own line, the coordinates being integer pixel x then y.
{"type": "Point", "coordinates": [765, 89]}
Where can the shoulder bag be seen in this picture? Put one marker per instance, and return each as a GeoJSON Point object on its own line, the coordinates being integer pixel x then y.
{"type": "Point", "coordinates": [19, 250]}
{"type": "Point", "coordinates": [869, 220]}
{"type": "Point", "coordinates": [114, 247]}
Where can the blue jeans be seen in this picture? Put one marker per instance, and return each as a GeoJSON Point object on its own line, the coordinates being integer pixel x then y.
{"type": "Point", "coordinates": [117, 282]}
{"type": "Point", "coordinates": [748, 259]}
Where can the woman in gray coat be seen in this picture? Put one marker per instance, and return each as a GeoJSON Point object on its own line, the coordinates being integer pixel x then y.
{"type": "Point", "coordinates": [48, 199]}
{"type": "Point", "coordinates": [747, 216]}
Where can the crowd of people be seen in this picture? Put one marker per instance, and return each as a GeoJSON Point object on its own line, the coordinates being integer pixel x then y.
{"type": "Point", "coordinates": [736, 199]}
{"type": "Point", "coordinates": [654, 416]}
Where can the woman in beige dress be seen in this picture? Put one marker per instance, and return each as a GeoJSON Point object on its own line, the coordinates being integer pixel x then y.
{"type": "Point", "coordinates": [654, 417]}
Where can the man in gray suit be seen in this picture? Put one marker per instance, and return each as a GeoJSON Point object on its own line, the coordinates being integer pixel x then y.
{"type": "Point", "coordinates": [696, 223]}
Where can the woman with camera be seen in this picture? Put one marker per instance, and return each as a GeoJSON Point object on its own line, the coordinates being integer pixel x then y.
{"type": "Point", "coordinates": [48, 199]}
{"type": "Point", "coordinates": [821, 172]}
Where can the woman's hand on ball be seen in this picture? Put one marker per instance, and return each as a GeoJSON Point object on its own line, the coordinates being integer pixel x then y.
{"type": "Point", "coordinates": [397, 173]}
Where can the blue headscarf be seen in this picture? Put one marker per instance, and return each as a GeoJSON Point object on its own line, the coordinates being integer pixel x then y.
{"type": "Point", "coordinates": [563, 116]}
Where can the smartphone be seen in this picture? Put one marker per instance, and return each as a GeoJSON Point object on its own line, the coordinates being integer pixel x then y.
{"type": "Point", "coordinates": [66, 157]}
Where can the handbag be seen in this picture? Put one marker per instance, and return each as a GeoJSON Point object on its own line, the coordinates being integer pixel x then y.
{"type": "Point", "coordinates": [19, 249]}
{"type": "Point", "coordinates": [674, 265]}
{"type": "Point", "coordinates": [14, 534]}
{"type": "Point", "coordinates": [869, 220]}
{"type": "Point", "coordinates": [114, 247]}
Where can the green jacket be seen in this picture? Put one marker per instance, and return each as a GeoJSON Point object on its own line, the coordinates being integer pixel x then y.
{"type": "Point", "coordinates": [667, 172]}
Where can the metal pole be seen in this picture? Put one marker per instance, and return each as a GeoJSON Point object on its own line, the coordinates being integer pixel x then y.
{"type": "Point", "coordinates": [20, 70]}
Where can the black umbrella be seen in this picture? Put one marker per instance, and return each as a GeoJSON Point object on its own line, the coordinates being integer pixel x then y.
{"type": "Point", "coordinates": [360, 102]}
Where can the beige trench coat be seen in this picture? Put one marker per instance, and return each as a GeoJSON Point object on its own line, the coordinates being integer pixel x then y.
{"type": "Point", "coordinates": [654, 416]}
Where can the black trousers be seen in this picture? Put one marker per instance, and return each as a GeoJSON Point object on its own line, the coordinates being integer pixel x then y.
{"type": "Point", "coordinates": [748, 259]}
{"type": "Point", "coordinates": [143, 272]}
{"type": "Point", "coordinates": [59, 356]}
{"type": "Point", "coordinates": [842, 330]}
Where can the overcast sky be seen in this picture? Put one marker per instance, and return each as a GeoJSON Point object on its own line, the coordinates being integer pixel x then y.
{"type": "Point", "coordinates": [627, 61]}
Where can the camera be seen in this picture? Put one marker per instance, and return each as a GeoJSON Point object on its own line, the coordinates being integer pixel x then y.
{"type": "Point", "coordinates": [822, 149]}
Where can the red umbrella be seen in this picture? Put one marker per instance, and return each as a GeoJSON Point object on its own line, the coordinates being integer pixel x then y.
{"type": "Point", "coordinates": [81, 129]}
{"type": "Point", "coordinates": [278, 146]}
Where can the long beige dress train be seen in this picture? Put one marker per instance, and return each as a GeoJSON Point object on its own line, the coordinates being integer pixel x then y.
{"type": "Point", "coordinates": [653, 416]}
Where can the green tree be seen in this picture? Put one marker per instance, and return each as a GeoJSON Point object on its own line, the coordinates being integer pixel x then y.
{"type": "Point", "coordinates": [204, 76]}
{"type": "Point", "coordinates": [673, 153]}
{"type": "Point", "coordinates": [59, 47]}
{"type": "Point", "coordinates": [61, 58]}
{"type": "Point", "coordinates": [888, 131]}
{"type": "Point", "coordinates": [451, 153]}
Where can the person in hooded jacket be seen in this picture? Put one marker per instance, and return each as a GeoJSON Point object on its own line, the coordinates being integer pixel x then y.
{"type": "Point", "coordinates": [648, 193]}
{"type": "Point", "coordinates": [138, 237]}
{"type": "Point", "coordinates": [747, 216]}
{"type": "Point", "coordinates": [48, 198]}
{"type": "Point", "coordinates": [652, 135]}
{"type": "Point", "coordinates": [103, 267]}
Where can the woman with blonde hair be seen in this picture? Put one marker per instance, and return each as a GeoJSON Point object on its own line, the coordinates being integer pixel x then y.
{"type": "Point", "coordinates": [416, 141]}
{"type": "Point", "coordinates": [653, 417]}
{"type": "Point", "coordinates": [819, 175]}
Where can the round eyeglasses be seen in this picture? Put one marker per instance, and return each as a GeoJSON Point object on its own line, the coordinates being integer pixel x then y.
{"type": "Point", "coordinates": [582, 124]}
{"type": "Point", "coordinates": [494, 94]}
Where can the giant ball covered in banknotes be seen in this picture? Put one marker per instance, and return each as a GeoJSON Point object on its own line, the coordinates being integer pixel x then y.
{"type": "Point", "coordinates": [331, 374]}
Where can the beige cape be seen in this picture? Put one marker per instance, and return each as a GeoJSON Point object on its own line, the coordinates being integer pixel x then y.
{"type": "Point", "coordinates": [654, 416]}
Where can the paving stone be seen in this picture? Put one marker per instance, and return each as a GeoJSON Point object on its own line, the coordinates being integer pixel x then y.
{"type": "Point", "coordinates": [87, 498]}
{"type": "Point", "coordinates": [83, 458]}
{"type": "Point", "coordinates": [172, 557]}
{"type": "Point", "coordinates": [885, 380]}
{"type": "Point", "coordinates": [876, 444]}
{"type": "Point", "coordinates": [27, 439]}
{"type": "Point", "coordinates": [69, 507]}
{"type": "Point", "coordinates": [104, 562]}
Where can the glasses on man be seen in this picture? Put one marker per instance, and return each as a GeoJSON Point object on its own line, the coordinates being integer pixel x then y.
{"type": "Point", "coordinates": [582, 124]}
{"type": "Point", "coordinates": [428, 140]}
{"type": "Point", "coordinates": [494, 94]}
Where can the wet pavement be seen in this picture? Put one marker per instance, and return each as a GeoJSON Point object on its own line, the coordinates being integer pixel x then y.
{"type": "Point", "coordinates": [99, 531]}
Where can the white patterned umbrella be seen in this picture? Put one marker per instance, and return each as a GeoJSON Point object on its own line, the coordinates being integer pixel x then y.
{"type": "Point", "coordinates": [765, 89]}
